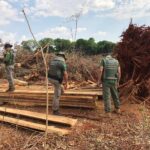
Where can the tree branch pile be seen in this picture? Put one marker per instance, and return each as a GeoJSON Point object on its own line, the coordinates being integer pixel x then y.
{"type": "Point", "coordinates": [134, 56]}
{"type": "Point", "coordinates": [80, 68]}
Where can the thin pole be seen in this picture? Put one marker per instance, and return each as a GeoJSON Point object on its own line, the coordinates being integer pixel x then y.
{"type": "Point", "coordinates": [46, 80]}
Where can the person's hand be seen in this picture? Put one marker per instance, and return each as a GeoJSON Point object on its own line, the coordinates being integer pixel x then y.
{"type": "Point", "coordinates": [18, 65]}
{"type": "Point", "coordinates": [99, 83]}
{"type": "Point", "coordinates": [66, 86]}
{"type": "Point", "coordinates": [62, 89]}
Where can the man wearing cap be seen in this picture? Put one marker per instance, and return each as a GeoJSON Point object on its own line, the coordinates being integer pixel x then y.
{"type": "Point", "coordinates": [57, 74]}
{"type": "Point", "coordinates": [9, 65]}
{"type": "Point", "coordinates": [110, 74]}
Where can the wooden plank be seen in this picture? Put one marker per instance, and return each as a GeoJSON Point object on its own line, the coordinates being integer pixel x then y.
{"type": "Point", "coordinates": [28, 124]}
{"type": "Point", "coordinates": [44, 100]}
{"type": "Point", "coordinates": [36, 115]}
{"type": "Point", "coordinates": [44, 97]}
{"type": "Point", "coordinates": [20, 82]}
{"type": "Point", "coordinates": [82, 93]}
{"type": "Point", "coordinates": [76, 104]}
{"type": "Point", "coordinates": [44, 104]}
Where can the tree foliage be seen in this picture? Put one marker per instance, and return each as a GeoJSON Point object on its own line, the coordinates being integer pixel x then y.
{"type": "Point", "coordinates": [89, 47]}
{"type": "Point", "coordinates": [29, 45]}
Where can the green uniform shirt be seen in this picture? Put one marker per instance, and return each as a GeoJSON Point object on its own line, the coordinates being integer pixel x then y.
{"type": "Point", "coordinates": [110, 66]}
{"type": "Point", "coordinates": [57, 67]}
{"type": "Point", "coordinates": [9, 58]}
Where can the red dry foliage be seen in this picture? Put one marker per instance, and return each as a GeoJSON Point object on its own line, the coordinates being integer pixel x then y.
{"type": "Point", "coordinates": [134, 56]}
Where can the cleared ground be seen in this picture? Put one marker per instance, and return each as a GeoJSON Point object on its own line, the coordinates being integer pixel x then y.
{"type": "Point", "coordinates": [128, 131]}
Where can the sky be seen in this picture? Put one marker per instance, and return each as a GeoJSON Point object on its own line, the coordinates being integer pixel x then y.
{"type": "Point", "coordinates": [100, 19]}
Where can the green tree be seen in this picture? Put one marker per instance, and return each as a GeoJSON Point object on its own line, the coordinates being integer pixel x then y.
{"type": "Point", "coordinates": [86, 46]}
{"type": "Point", "coordinates": [62, 44]}
{"type": "Point", "coordinates": [80, 45]}
{"type": "Point", "coordinates": [29, 45]}
{"type": "Point", "coordinates": [105, 47]}
{"type": "Point", "coordinates": [91, 46]}
{"type": "Point", "coordinates": [47, 44]}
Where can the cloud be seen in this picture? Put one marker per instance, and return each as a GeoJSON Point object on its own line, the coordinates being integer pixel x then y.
{"type": "Point", "coordinates": [101, 4]}
{"type": "Point", "coordinates": [129, 9]}
{"type": "Point", "coordinates": [8, 37]}
{"type": "Point", "coordinates": [59, 32]}
{"type": "Point", "coordinates": [23, 38]}
{"type": "Point", "coordinates": [8, 13]}
{"type": "Point", "coordinates": [99, 35]}
{"type": "Point", "coordinates": [82, 29]}
{"type": "Point", "coordinates": [67, 8]}
{"type": "Point", "coordinates": [120, 9]}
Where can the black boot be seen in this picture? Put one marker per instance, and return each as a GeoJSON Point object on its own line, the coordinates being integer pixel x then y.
{"type": "Point", "coordinates": [11, 89]}
{"type": "Point", "coordinates": [56, 112]}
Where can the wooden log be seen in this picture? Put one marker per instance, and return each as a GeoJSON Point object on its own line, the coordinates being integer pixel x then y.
{"type": "Point", "coordinates": [32, 125]}
{"type": "Point", "coordinates": [41, 116]}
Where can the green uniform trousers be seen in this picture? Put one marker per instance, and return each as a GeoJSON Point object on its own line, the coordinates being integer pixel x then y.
{"type": "Point", "coordinates": [10, 78]}
{"type": "Point", "coordinates": [110, 90]}
{"type": "Point", "coordinates": [57, 94]}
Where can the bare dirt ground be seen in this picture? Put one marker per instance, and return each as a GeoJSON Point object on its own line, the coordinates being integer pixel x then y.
{"type": "Point", "coordinates": [128, 131]}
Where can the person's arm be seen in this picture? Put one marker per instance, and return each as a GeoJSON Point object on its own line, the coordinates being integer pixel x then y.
{"type": "Point", "coordinates": [66, 79]}
{"type": "Point", "coordinates": [100, 74]}
{"type": "Point", "coordinates": [119, 75]}
{"type": "Point", "coordinates": [6, 57]}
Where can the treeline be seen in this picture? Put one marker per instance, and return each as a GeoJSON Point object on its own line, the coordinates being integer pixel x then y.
{"type": "Point", "coordinates": [90, 46]}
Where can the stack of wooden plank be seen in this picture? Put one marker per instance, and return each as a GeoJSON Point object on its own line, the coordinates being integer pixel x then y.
{"type": "Point", "coordinates": [71, 98]}
{"type": "Point", "coordinates": [34, 120]}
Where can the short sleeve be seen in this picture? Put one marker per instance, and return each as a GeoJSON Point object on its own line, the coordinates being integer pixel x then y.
{"type": "Point", "coordinates": [64, 67]}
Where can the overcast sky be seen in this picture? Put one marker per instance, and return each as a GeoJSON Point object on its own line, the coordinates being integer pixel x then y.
{"type": "Point", "coordinates": [101, 19]}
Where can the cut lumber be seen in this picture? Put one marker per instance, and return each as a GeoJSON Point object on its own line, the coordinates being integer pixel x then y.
{"type": "Point", "coordinates": [36, 100]}
{"type": "Point", "coordinates": [42, 97]}
{"type": "Point", "coordinates": [36, 115]}
{"type": "Point", "coordinates": [82, 99]}
{"type": "Point", "coordinates": [44, 104]}
{"type": "Point", "coordinates": [37, 126]}
{"type": "Point", "coordinates": [20, 82]}
{"type": "Point", "coordinates": [91, 105]}
{"type": "Point", "coordinates": [81, 93]}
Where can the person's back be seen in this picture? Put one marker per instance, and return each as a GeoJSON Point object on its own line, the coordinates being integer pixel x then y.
{"type": "Point", "coordinates": [57, 74]}
{"type": "Point", "coordinates": [110, 68]}
{"type": "Point", "coordinates": [56, 69]}
{"type": "Point", "coordinates": [110, 74]}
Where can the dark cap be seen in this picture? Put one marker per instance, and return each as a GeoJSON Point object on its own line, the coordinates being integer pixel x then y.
{"type": "Point", "coordinates": [7, 45]}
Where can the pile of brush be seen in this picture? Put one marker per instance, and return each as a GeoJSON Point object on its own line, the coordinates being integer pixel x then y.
{"type": "Point", "coordinates": [80, 68]}
{"type": "Point", "coordinates": [134, 57]}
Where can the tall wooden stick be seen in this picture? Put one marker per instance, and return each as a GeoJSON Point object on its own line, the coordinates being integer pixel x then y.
{"type": "Point", "coordinates": [46, 80]}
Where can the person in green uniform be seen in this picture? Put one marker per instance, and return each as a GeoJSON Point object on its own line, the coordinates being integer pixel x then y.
{"type": "Point", "coordinates": [110, 74]}
{"type": "Point", "coordinates": [57, 74]}
{"type": "Point", "coordinates": [9, 65]}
